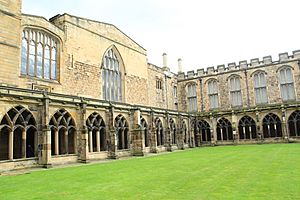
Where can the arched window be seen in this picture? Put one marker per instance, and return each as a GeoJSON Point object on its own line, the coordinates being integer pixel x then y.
{"type": "Point", "coordinates": [286, 84]}
{"type": "Point", "coordinates": [63, 133]}
{"type": "Point", "coordinates": [294, 124]}
{"type": "Point", "coordinates": [18, 134]}
{"type": "Point", "coordinates": [97, 135]}
{"type": "Point", "coordinates": [144, 126]}
{"type": "Point", "coordinates": [213, 94]}
{"type": "Point", "coordinates": [122, 127]}
{"type": "Point", "coordinates": [39, 54]}
{"type": "Point", "coordinates": [204, 129]}
{"type": "Point", "coordinates": [172, 131]}
{"type": "Point", "coordinates": [235, 91]}
{"type": "Point", "coordinates": [192, 97]}
{"type": "Point", "coordinates": [260, 88]}
{"type": "Point", "coordinates": [272, 126]}
{"type": "Point", "coordinates": [160, 139]}
{"type": "Point", "coordinates": [247, 128]}
{"type": "Point", "coordinates": [224, 130]}
{"type": "Point", "coordinates": [111, 77]}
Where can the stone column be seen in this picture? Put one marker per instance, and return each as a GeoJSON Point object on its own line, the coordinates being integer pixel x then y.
{"type": "Point", "coordinates": [137, 136]}
{"type": "Point", "coordinates": [180, 135]}
{"type": "Point", "coordinates": [152, 133]}
{"type": "Point", "coordinates": [44, 146]}
{"type": "Point", "coordinates": [234, 127]}
{"type": "Point", "coordinates": [168, 142]}
{"type": "Point", "coordinates": [112, 134]}
{"type": "Point", "coordinates": [284, 126]}
{"type": "Point", "coordinates": [56, 138]}
{"type": "Point", "coordinates": [91, 141]}
{"type": "Point", "coordinates": [82, 147]}
{"type": "Point", "coordinates": [11, 145]}
{"type": "Point", "coordinates": [98, 140]}
{"type": "Point", "coordinates": [112, 147]}
{"type": "Point", "coordinates": [213, 130]}
{"type": "Point", "coordinates": [23, 143]}
{"type": "Point", "coordinates": [66, 141]}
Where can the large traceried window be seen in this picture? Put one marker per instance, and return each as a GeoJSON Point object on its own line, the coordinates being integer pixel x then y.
{"type": "Point", "coordinates": [213, 94]}
{"type": "Point", "coordinates": [111, 77]}
{"type": "Point", "coordinates": [235, 91]}
{"type": "Point", "coordinates": [192, 97]}
{"type": "Point", "coordinates": [286, 84]}
{"type": "Point", "coordinates": [39, 54]}
{"type": "Point", "coordinates": [260, 88]}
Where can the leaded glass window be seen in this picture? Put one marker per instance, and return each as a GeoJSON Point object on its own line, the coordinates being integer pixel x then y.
{"type": "Point", "coordinates": [260, 88]}
{"type": "Point", "coordinates": [235, 91]}
{"type": "Point", "coordinates": [111, 77]}
{"type": "Point", "coordinates": [192, 97]}
{"type": "Point", "coordinates": [286, 84]}
{"type": "Point", "coordinates": [39, 54]}
{"type": "Point", "coordinates": [213, 94]}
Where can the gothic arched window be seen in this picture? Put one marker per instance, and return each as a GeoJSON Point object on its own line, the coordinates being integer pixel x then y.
{"type": "Point", "coordinates": [213, 94]}
{"type": "Point", "coordinates": [111, 77]}
{"type": "Point", "coordinates": [39, 54]}
{"type": "Point", "coordinates": [235, 91]}
{"type": "Point", "coordinates": [286, 84]}
{"type": "Point", "coordinates": [260, 88]}
{"type": "Point", "coordinates": [192, 97]}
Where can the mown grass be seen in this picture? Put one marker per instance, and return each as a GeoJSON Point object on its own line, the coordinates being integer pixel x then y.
{"type": "Point", "coordinates": [227, 172]}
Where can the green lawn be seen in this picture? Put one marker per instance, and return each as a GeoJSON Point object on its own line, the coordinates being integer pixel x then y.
{"type": "Point", "coordinates": [227, 172]}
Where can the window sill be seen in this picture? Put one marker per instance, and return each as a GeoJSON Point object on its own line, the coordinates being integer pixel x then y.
{"type": "Point", "coordinates": [39, 79]}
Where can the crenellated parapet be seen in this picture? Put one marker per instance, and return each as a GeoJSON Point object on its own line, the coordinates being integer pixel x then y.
{"type": "Point", "coordinates": [242, 65]}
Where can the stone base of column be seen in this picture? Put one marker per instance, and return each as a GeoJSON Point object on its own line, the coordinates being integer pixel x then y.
{"type": "Point", "coordinates": [112, 156]}
{"type": "Point", "coordinates": [153, 150]}
{"type": "Point", "coordinates": [169, 148]}
{"type": "Point", "coordinates": [47, 166]}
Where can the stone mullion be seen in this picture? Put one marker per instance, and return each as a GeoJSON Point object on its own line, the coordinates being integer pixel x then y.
{"type": "Point", "coordinates": [65, 134]}
{"type": "Point", "coordinates": [45, 145]}
{"type": "Point", "coordinates": [56, 144]}
{"type": "Point", "coordinates": [11, 145]}
{"type": "Point", "coordinates": [90, 141]}
{"type": "Point", "coordinates": [23, 143]}
{"type": "Point", "coordinates": [98, 140]}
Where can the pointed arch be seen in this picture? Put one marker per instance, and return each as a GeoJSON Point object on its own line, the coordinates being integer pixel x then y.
{"type": "Point", "coordinates": [204, 129]}
{"type": "Point", "coordinates": [63, 133]}
{"type": "Point", "coordinates": [18, 134]}
{"type": "Point", "coordinates": [247, 128]}
{"type": "Point", "coordinates": [144, 126]}
{"type": "Point", "coordinates": [294, 124]}
{"type": "Point", "coordinates": [113, 72]}
{"type": "Point", "coordinates": [97, 133]}
{"type": "Point", "coordinates": [272, 126]}
{"type": "Point", "coordinates": [224, 130]}
{"type": "Point", "coordinates": [160, 139]}
{"type": "Point", "coordinates": [121, 125]}
{"type": "Point", "coordinates": [173, 131]}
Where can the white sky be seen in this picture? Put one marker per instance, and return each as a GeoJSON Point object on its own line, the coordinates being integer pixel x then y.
{"type": "Point", "coordinates": [203, 33]}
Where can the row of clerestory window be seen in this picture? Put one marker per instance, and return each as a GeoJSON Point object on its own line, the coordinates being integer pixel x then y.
{"type": "Point", "coordinates": [260, 89]}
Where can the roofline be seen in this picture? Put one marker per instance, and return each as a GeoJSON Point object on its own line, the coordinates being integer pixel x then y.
{"type": "Point", "coordinates": [59, 15]}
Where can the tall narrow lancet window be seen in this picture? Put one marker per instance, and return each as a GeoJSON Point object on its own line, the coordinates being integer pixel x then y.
{"type": "Point", "coordinates": [213, 94]}
{"type": "Point", "coordinates": [260, 88]}
{"type": "Point", "coordinates": [39, 54]}
{"type": "Point", "coordinates": [111, 77]}
{"type": "Point", "coordinates": [286, 84]}
{"type": "Point", "coordinates": [235, 91]}
{"type": "Point", "coordinates": [192, 97]}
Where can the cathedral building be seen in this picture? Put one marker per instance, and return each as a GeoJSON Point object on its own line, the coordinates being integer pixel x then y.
{"type": "Point", "coordinates": [77, 90]}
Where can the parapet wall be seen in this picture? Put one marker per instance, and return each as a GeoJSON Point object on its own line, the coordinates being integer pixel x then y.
{"type": "Point", "coordinates": [255, 62]}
